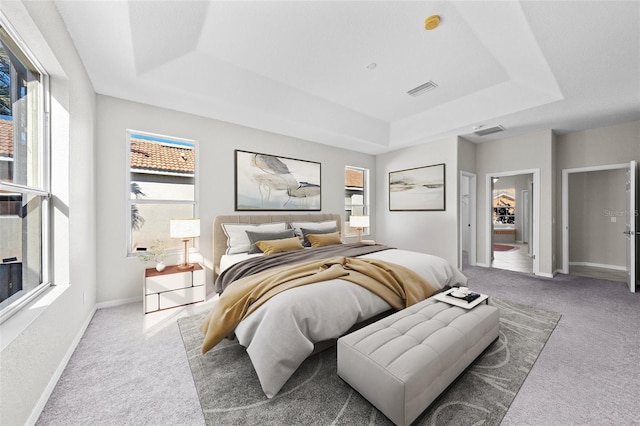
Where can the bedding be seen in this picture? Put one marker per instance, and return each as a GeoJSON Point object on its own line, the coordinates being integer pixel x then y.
{"type": "Point", "coordinates": [326, 225]}
{"type": "Point", "coordinates": [280, 333]}
{"type": "Point", "coordinates": [279, 246]}
{"type": "Point", "coordinates": [321, 240]}
{"type": "Point", "coordinates": [398, 286]}
{"type": "Point", "coordinates": [254, 237]}
{"type": "Point", "coordinates": [306, 232]}
{"type": "Point", "coordinates": [237, 238]}
{"type": "Point", "coordinates": [228, 260]}
{"type": "Point", "coordinates": [261, 263]}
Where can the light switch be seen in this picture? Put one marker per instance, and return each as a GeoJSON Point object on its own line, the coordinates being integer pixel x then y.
{"type": "Point", "coordinates": [613, 219]}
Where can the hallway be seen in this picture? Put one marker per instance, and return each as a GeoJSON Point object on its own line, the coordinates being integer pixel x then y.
{"type": "Point", "coordinates": [515, 259]}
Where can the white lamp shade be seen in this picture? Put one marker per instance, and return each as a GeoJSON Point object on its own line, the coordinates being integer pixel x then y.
{"type": "Point", "coordinates": [359, 221]}
{"type": "Point", "coordinates": [184, 228]}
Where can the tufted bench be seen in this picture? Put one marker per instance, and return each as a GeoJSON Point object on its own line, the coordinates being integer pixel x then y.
{"type": "Point", "coordinates": [401, 363]}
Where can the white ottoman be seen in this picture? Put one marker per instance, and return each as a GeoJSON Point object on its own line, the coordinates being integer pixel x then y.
{"type": "Point", "coordinates": [404, 361]}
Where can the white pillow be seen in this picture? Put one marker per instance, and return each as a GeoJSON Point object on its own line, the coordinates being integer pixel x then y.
{"type": "Point", "coordinates": [327, 224]}
{"type": "Point", "coordinates": [237, 238]}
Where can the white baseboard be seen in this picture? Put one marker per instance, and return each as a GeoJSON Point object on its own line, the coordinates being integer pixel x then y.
{"type": "Point", "coordinates": [48, 390]}
{"type": "Point", "coordinates": [545, 274]}
{"type": "Point", "coordinates": [112, 303]}
{"type": "Point", "coordinates": [483, 265]}
{"type": "Point", "coordinates": [599, 265]}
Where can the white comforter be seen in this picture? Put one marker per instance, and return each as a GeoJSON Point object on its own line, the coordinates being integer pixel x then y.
{"type": "Point", "coordinates": [281, 334]}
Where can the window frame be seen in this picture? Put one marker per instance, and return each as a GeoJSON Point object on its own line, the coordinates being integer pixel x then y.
{"type": "Point", "coordinates": [129, 253]}
{"type": "Point", "coordinates": [366, 208]}
{"type": "Point", "coordinates": [43, 188]}
{"type": "Point", "coordinates": [494, 214]}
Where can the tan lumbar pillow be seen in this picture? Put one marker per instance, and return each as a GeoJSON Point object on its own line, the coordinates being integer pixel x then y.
{"type": "Point", "coordinates": [321, 240]}
{"type": "Point", "coordinates": [279, 246]}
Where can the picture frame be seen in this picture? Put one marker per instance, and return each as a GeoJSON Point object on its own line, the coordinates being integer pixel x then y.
{"type": "Point", "coordinates": [418, 189]}
{"type": "Point", "coordinates": [265, 182]}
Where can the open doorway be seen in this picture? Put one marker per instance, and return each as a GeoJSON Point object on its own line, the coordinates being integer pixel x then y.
{"type": "Point", "coordinates": [597, 215]}
{"type": "Point", "coordinates": [512, 234]}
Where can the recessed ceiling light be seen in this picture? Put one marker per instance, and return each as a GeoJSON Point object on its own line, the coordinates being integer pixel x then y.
{"type": "Point", "coordinates": [372, 66]}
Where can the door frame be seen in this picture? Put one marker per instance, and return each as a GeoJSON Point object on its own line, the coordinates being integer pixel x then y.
{"type": "Point", "coordinates": [473, 189]}
{"type": "Point", "coordinates": [565, 204]}
{"type": "Point", "coordinates": [535, 216]}
{"type": "Point", "coordinates": [526, 218]}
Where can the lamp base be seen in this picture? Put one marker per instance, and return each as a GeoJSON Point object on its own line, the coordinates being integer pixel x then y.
{"type": "Point", "coordinates": [186, 265]}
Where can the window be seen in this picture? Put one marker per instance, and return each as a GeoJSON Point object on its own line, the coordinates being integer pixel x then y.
{"type": "Point", "coordinates": [504, 206]}
{"type": "Point", "coordinates": [24, 185]}
{"type": "Point", "coordinates": [356, 203]}
{"type": "Point", "coordinates": [162, 186]}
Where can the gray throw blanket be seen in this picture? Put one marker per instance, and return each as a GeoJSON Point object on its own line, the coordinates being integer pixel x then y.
{"type": "Point", "coordinates": [262, 263]}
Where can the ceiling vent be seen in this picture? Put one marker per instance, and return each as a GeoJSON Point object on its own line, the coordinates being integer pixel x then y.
{"type": "Point", "coordinates": [416, 91]}
{"type": "Point", "coordinates": [489, 130]}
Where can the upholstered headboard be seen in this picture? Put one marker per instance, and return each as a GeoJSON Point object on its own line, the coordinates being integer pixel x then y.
{"type": "Point", "coordinates": [220, 239]}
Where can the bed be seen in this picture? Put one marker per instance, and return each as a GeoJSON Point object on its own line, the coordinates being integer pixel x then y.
{"type": "Point", "coordinates": [291, 325]}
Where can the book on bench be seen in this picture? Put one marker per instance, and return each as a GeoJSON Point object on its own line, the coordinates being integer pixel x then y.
{"type": "Point", "coordinates": [470, 297]}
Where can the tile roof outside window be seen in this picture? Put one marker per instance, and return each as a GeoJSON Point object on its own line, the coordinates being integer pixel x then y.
{"type": "Point", "coordinates": [353, 178]}
{"type": "Point", "coordinates": [6, 138]}
{"type": "Point", "coordinates": [159, 157]}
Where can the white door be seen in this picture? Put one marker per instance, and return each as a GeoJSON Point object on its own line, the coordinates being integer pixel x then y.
{"type": "Point", "coordinates": [525, 216]}
{"type": "Point", "coordinates": [630, 226]}
{"type": "Point", "coordinates": [467, 218]}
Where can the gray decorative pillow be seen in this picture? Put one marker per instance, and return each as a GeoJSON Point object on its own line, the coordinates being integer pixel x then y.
{"type": "Point", "coordinates": [306, 231]}
{"type": "Point", "coordinates": [267, 236]}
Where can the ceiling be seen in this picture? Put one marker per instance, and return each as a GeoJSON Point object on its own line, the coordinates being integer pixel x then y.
{"type": "Point", "coordinates": [302, 68]}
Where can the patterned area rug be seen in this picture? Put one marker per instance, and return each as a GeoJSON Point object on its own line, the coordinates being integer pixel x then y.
{"type": "Point", "coordinates": [504, 247]}
{"type": "Point", "coordinates": [230, 393]}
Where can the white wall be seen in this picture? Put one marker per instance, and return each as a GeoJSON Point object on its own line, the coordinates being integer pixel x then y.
{"type": "Point", "coordinates": [120, 278]}
{"type": "Point", "coordinates": [36, 342]}
{"type": "Point", "coordinates": [433, 232]}
{"type": "Point", "coordinates": [528, 152]}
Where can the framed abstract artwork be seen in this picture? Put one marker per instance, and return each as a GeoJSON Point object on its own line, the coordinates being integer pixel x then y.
{"type": "Point", "coordinates": [420, 188]}
{"type": "Point", "coordinates": [266, 182]}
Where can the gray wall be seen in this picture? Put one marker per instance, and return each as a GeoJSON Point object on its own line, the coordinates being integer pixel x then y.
{"type": "Point", "coordinates": [119, 277]}
{"type": "Point", "coordinates": [528, 152]}
{"type": "Point", "coordinates": [433, 232]}
{"type": "Point", "coordinates": [37, 342]}
{"type": "Point", "coordinates": [594, 147]}
{"type": "Point", "coordinates": [594, 199]}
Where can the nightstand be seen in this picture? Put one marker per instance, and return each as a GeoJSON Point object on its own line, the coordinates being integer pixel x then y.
{"type": "Point", "coordinates": [172, 287]}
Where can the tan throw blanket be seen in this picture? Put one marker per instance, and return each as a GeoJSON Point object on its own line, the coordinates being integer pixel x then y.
{"type": "Point", "coordinates": [398, 286]}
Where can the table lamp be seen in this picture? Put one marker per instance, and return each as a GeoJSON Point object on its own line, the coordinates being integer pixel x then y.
{"type": "Point", "coordinates": [359, 222]}
{"type": "Point", "coordinates": [185, 229]}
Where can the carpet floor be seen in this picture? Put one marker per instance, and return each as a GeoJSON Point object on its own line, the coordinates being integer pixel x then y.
{"type": "Point", "coordinates": [230, 393]}
{"type": "Point", "coordinates": [132, 369]}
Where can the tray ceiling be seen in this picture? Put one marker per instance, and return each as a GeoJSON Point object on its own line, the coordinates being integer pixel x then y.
{"type": "Point", "coordinates": [304, 68]}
